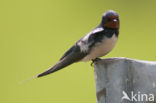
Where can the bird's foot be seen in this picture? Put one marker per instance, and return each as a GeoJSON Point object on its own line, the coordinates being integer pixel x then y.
{"type": "Point", "coordinates": [94, 61]}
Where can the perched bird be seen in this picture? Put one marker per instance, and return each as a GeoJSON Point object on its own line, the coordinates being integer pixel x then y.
{"type": "Point", "coordinates": [96, 43]}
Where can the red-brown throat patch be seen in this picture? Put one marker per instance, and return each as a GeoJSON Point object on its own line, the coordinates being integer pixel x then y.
{"type": "Point", "coordinates": [113, 22]}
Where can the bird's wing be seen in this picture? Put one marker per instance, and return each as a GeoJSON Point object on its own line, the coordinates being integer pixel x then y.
{"type": "Point", "coordinates": [72, 55]}
{"type": "Point", "coordinates": [76, 52]}
{"type": "Point", "coordinates": [96, 36]}
{"type": "Point", "coordinates": [68, 52]}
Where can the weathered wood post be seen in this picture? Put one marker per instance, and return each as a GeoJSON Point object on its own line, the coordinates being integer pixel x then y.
{"type": "Point", "coordinates": [123, 80]}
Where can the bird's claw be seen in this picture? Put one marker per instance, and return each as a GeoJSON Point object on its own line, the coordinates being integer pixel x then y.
{"type": "Point", "coordinates": [94, 61]}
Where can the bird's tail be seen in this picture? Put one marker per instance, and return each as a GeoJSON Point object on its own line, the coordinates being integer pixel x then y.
{"type": "Point", "coordinates": [60, 65]}
{"type": "Point", "coordinates": [72, 57]}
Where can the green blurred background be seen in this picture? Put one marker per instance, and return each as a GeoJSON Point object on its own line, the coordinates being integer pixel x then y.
{"type": "Point", "coordinates": [34, 34]}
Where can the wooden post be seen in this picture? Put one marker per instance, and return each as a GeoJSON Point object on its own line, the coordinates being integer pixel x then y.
{"type": "Point", "coordinates": [123, 80]}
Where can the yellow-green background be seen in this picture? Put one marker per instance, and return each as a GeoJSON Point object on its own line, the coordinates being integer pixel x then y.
{"type": "Point", "coordinates": [35, 33]}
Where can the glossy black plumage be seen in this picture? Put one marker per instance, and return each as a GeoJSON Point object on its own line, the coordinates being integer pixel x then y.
{"type": "Point", "coordinates": [72, 55]}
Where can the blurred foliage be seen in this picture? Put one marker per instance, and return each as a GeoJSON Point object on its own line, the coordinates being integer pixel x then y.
{"type": "Point", "coordinates": [35, 33]}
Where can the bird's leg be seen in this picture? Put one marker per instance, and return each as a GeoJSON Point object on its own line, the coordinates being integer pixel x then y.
{"type": "Point", "coordinates": [95, 60]}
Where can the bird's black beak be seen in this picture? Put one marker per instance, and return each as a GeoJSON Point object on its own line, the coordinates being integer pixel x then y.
{"type": "Point", "coordinates": [115, 23]}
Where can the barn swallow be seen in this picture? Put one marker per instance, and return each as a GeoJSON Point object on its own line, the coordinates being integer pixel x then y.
{"type": "Point", "coordinates": [95, 44]}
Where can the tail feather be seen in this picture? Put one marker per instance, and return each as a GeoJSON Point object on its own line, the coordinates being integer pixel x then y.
{"type": "Point", "coordinates": [60, 65]}
{"type": "Point", "coordinates": [69, 58]}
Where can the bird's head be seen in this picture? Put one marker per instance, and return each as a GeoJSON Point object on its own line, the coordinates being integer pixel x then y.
{"type": "Point", "coordinates": [110, 19]}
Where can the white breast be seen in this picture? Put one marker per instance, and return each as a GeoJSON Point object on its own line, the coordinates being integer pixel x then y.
{"type": "Point", "coordinates": [102, 48]}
